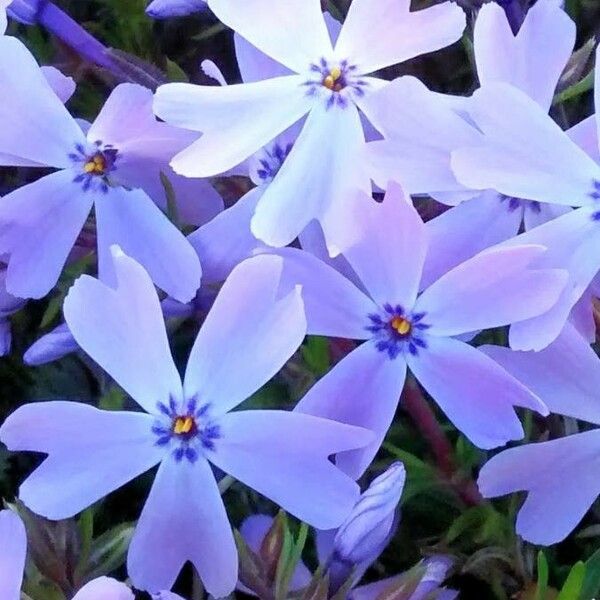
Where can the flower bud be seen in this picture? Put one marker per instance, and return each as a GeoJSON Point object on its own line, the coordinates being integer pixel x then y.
{"type": "Point", "coordinates": [164, 9]}
{"type": "Point", "coordinates": [366, 531]}
{"type": "Point", "coordinates": [52, 346]}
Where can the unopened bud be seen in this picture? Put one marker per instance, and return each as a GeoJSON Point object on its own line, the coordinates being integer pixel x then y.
{"type": "Point", "coordinates": [164, 9]}
{"type": "Point", "coordinates": [366, 531]}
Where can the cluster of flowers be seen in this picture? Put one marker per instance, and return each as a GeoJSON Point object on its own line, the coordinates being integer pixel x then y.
{"type": "Point", "coordinates": [318, 135]}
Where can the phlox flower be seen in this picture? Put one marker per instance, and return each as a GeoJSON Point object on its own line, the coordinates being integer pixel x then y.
{"type": "Point", "coordinates": [187, 427]}
{"type": "Point", "coordinates": [13, 552]}
{"type": "Point", "coordinates": [422, 129]}
{"type": "Point", "coordinates": [560, 477]}
{"type": "Point", "coordinates": [404, 328]}
{"type": "Point", "coordinates": [327, 84]}
{"type": "Point", "coordinates": [525, 154]}
{"type": "Point", "coordinates": [164, 9]}
{"type": "Point", "coordinates": [3, 21]}
{"type": "Point", "coordinates": [113, 168]}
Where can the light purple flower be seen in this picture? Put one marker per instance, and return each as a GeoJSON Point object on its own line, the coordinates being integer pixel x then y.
{"type": "Point", "coordinates": [124, 148]}
{"type": "Point", "coordinates": [329, 85]}
{"type": "Point", "coordinates": [245, 340]}
{"type": "Point", "coordinates": [403, 328]}
{"type": "Point", "coordinates": [559, 476]}
{"type": "Point", "coordinates": [54, 345]}
{"type": "Point", "coordinates": [422, 129]}
{"type": "Point", "coordinates": [518, 156]}
{"type": "Point", "coordinates": [13, 552]}
{"type": "Point", "coordinates": [164, 9]}
{"type": "Point", "coordinates": [3, 21]}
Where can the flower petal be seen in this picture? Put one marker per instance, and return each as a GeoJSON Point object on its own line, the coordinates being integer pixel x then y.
{"type": "Point", "coordinates": [534, 59]}
{"type": "Point", "coordinates": [320, 173]}
{"type": "Point", "coordinates": [521, 150]}
{"type": "Point", "coordinates": [381, 33]}
{"type": "Point", "coordinates": [565, 375]}
{"type": "Point", "coordinates": [572, 241]}
{"type": "Point", "coordinates": [247, 337]}
{"type": "Point", "coordinates": [389, 257]}
{"type": "Point", "coordinates": [421, 130]}
{"type": "Point", "coordinates": [184, 519]}
{"type": "Point", "coordinates": [561, 478]}
{"type": "Point", "coordinates": [363, 389]}
{"type": "Point", "coordinates": [104, 588]}
{"type": "Point", "coordinates": [64, 87]}
{"type": "Point", "coordinates": [492, 289]}
{"type": "Point", "coordinates": [293, 33]}
{"type": "Point", "coordinates": [91, 452]}
{"type": "Point", "coordinates": [127, 336]}
{"type": "Point", "coordinates": [585, 135]}
{"type": "Point", "coordinates": [13, 551]}
{"type": "Point", "coordinates": [255, 65]}
{"type": "Point", "coordinates": [334, 306]}
{"type": "Point", "coordinates": [131, 220]}
{"type": "Point", "coordinates": [226, 241]}
{"type": "Point", "coordinates": [53, 345]}
{"type": "Point", "coordinates": [51, 211]}
{"type": "Point", "coordinates": [485, 413]}
{"type": "Point", "coordinates": [34, 123]}
{"type": "Point", "coordinates": [285, 456]}
{"type": "Point", "coordinates": [262, 111]}
{"type": "Point", "coordinates": [465, 230]}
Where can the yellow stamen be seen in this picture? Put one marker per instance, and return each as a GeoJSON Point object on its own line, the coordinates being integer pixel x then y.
{"type": "Point", "coordinates": [183, 425]}
{"type": "Point", "coordinates": [331, 81]}
{"type": "Point", "coordinates": [401, 325]}
{"type": "Point", "coordinates": [96, 165]}
{"type": "Point", "coordinates": [335, 73]}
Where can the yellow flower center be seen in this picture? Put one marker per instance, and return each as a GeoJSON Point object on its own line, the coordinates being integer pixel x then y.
{"type": "Point", "coordinates": [96, 165]}
{"type": "Point", "coordinates": [332, 81]}
{"type": "Point", "coordinates": [401, 325]}
{"type": "Point", "coordinates": [183, 425]}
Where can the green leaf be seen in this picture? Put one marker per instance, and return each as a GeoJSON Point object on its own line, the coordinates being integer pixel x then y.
{"type": "Point", "coordinates": [581, 87]}
{"type": "Point", "coordinates": [315, 352]}
{"type": "Point", "coordinates": [542, 583]}
{"type": "Point", "coordinates": [591, 583]}
{"type": "Point", "coordinates": [108, 551]}
{"type": "Point", "coordinates": [574, 583]}
{"type": "Point", "coordinates": [175, 73]}
{"type": "Point", "coordinates": [172, 209]}
{"type": "Point", "coordinates": [114, 399]}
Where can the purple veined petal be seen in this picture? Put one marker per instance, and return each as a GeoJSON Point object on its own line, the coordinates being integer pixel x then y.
{"type": "Point", "coordinates": [263, 110]}
{"type": "Point", "coordinates": [560, 477]}
{"type": "Point", "coordinates": [381, 33]}
{"type": "Point", "coordinates": [13, 551]}
{"type": "Point", "coordinates": [226, 241]}
{"type": "Point", "coordinates": [536, 214]}
{"type": "Point", "coordinates": [467, 229]}
{"type": "Point", "coordinates": [521, 150]}
{"type": "Point", "coordinates": [127, 336]}
{"type": "Point", "coordinates": [389, 257]}
{"type": "Point", "coordinates": [253, 530]}
{"type": "Point", "coordinates": [285, 457]}
{"type": "Point", "coordinates": [104, 588]}
{"type": "Point", "coordinates": [91, 452]}
{"type": "Point", "coordinates": [224, 367]}
{"type": "Point", "coordinates": [50, 347]}
{"type": "Point", "coordinates": [35, 124]}
{"type": "Point", "coordinates": [293, 33]}
{"type": "Point", "coordinates": [64, 87]}
{"type": "Point", "coordinates": [572, 241]}
{"type": "Point", "coordinates": [363, 389]}
{"type": "Point", "coordinates": [421, 131]}
{"type": "Point", "coordinates": [534, 59]}
{"type": "Point", "coordinates": [565, 375]}
{"type": "Point", "coordinates": [130, 219]}
{"type": "Point", "coordinates": [334, 306]}
{"type": "Point", "coordinates": [165, 9]}
{"type": "Point", "coordinates": [51, 211]}
{"type": "Point", "coordinates": [320, 173]}
{"type": "Point", "coordinates": [492, 289]}
{"type": "Point", "coordinates": [484, 412]}
{"type": "Point", "coordinates": [184, 519]}
{"type": "Point", "coordinates": [585, 135]}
